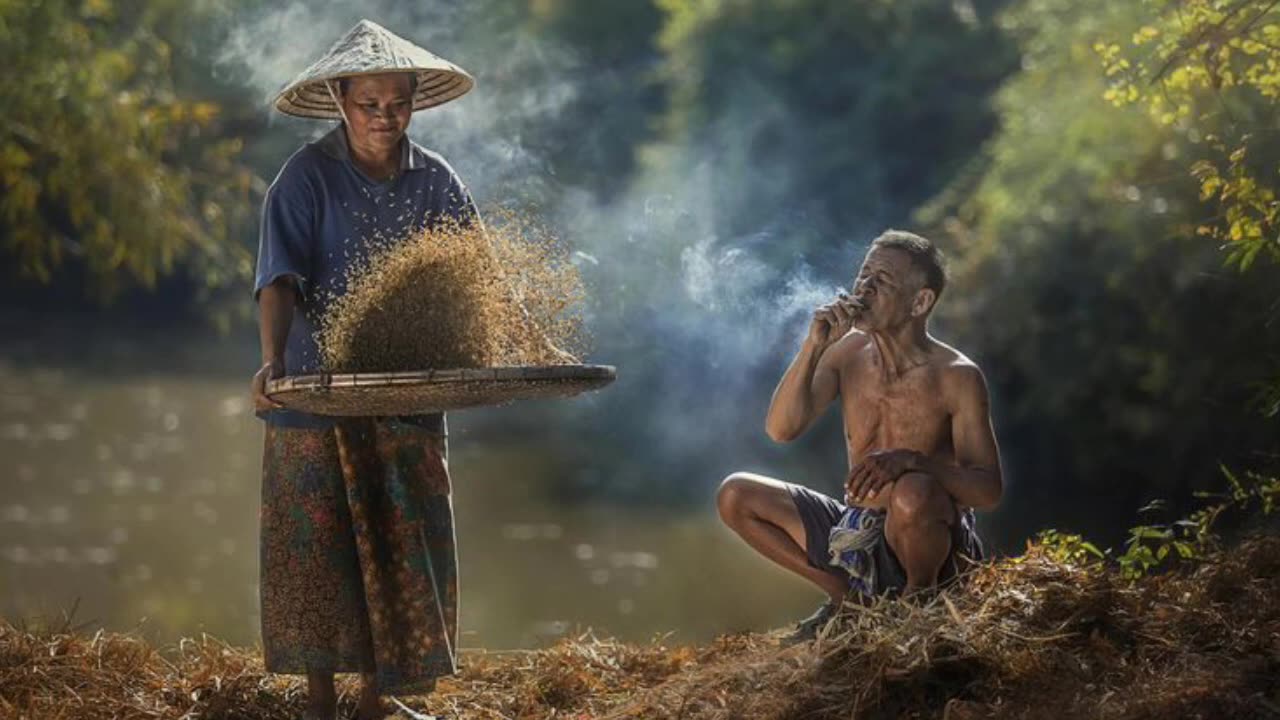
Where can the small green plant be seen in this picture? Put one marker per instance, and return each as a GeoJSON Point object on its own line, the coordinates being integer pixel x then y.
{"type": "Point", "coordinates": [1156, 546]}
{"type": "Point", "coordinates": [1068, 548]}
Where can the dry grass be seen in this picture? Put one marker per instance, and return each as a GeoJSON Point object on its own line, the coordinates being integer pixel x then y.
{"type": "Point", "coordinates": [457, 296]}
{"type": "Point", "coordinates": [1025, 638]}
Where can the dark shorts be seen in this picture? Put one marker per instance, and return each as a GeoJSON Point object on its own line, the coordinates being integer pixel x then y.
{"type": "Point", "coordinates": [820, 513]}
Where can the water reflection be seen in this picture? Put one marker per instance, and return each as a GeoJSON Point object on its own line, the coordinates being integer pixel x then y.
{"type": "Point", "coordinates": [138, 495]}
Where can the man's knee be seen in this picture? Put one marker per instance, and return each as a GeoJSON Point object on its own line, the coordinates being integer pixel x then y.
{"type": "Point", "coordinates": [733, 496]}
{"type": "Point", "coordinates": [917, 497]}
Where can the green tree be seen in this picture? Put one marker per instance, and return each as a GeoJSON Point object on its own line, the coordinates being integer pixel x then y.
{"type": "Point", "coordinates": [105, 163]}
{"type": "Point", "coordinates": [1212, 68]}
{"type": "Point", "coordinates": [1120, 352]}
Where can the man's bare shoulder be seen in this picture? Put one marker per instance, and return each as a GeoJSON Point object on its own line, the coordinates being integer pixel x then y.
{"type": "Point", "coordinates": [847, 349]}
{"type": "Point", "coordinates": [962, 379]}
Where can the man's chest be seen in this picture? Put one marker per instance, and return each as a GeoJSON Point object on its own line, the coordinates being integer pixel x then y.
{"type": "Point", "coordinates": [908, 412]}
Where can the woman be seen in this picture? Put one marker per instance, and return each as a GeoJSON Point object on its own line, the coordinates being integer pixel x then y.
{"type": "Point", "coordinates": [357, 546]}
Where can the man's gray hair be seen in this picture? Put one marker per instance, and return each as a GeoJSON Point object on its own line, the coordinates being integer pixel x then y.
{"type": "Point", "coordinates": [925, 256]}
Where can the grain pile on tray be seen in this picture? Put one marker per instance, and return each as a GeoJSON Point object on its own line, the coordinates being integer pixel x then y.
{"type": "Point", "coordinates": [458, 296]}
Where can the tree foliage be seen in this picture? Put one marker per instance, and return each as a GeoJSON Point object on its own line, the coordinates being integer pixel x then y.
{"type": "Point", "coordinates": [104, 163]}
{"type": "Point", "coordinates": [1120, 352]}
{"type": "Point", "coordinates": [1211, 69]}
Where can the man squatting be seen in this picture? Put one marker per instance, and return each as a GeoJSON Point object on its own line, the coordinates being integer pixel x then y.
{"type": "Point", "coordinates": [917, 426]}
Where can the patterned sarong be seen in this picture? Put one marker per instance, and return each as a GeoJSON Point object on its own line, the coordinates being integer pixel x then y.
{"type": "Point", "coordinates": [358, 559]}
{"type": "Point", "coordinates": [857, 545]}
{"type": "Point", "coordinates": [852, 545]}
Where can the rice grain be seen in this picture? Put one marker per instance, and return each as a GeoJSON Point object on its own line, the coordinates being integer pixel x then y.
{"type": "Point", "coordinates": [457, 296]}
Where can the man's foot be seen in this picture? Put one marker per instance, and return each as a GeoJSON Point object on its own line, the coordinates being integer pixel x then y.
{"type": "Point", "coordinates": [808, 628]}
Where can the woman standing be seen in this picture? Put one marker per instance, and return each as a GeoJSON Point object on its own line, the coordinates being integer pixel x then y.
{"type": "Point", "coordinates": [358, 563]}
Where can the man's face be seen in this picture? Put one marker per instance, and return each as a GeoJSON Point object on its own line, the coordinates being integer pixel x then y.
{"type": "Point", "coordinates": [885, 287]}
{"type": "Point", "coordinates": [378, 108]}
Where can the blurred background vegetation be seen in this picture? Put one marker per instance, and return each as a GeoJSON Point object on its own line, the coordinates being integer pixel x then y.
{"type": "Point", "coordinates": [1102, 175]}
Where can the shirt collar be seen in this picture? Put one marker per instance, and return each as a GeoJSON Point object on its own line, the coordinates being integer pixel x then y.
{"type": "Point", "coordinates": [334, 144]}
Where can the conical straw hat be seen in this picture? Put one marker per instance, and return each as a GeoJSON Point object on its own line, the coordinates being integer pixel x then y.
{"type": "Point", "coordinates": [370, 49]}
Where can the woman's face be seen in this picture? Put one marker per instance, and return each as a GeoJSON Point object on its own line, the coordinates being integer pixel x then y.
{"type": "Point", "coordinates": [378, 108]}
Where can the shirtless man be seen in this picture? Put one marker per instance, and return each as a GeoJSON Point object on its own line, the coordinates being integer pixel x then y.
{"type": "Point", "coordinates": [922, 453]}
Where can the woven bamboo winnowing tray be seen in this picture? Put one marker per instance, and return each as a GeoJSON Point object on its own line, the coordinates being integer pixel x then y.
{"type": "Point", "coordinates": [425, 391]}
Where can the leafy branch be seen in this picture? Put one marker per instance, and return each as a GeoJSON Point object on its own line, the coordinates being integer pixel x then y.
{"type": "Point", "coordinates": [1156, 547]}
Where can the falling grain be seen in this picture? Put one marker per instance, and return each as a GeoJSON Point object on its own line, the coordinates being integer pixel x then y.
{"type": "Point", "coordinates": [458, 296]}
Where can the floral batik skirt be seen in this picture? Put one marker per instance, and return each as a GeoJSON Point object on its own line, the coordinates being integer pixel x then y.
{"type": "Point", "coordinates": [358, 561]}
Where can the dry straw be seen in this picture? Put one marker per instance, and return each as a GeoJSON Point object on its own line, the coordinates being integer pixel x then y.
{"type": "Point", "coordinates": [1031, 637]}
{"type": "Point", "coordinates": [458, 296]}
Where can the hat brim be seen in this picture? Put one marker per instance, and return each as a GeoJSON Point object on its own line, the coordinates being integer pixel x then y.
{"type": "Point", "coordinates": [312, 99]}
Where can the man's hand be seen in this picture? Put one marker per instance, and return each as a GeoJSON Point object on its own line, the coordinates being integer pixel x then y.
{"type": "Point", "coordinates": [877, 471]}
{"type": "Point", "coordinates": [271, 370]}
{"type": "Point", "coordinates": [831, 322]}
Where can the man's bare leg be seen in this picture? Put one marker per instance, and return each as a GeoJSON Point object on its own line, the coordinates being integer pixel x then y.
{"type": "Point", "coordinates": [760, 510]}
{"type": "Point", "coordinates": [918, 528]}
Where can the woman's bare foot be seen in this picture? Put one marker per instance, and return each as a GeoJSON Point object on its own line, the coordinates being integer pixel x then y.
{"type": "Point", "coordinates": [371, 706]}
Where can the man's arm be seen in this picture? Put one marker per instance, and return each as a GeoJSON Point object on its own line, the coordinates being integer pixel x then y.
{"type": "Point", "coordinates": [812, 381]}
{"type": "Point", "coordinates": [975, 479]}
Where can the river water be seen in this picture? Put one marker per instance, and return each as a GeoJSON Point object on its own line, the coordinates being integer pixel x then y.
{"type": "Point", "coordinates": [131, 495]}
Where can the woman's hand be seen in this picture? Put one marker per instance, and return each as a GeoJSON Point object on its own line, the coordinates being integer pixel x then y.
{"type": "Point", "coordinates": [273, 369]}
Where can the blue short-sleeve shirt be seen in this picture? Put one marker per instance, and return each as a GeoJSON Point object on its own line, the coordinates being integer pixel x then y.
{"type": "Point", "coordinates": [318, 220]}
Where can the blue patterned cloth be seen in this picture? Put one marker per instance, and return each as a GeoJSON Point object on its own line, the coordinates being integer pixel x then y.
{"type": "Point", "coordinates": [852, 544]}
